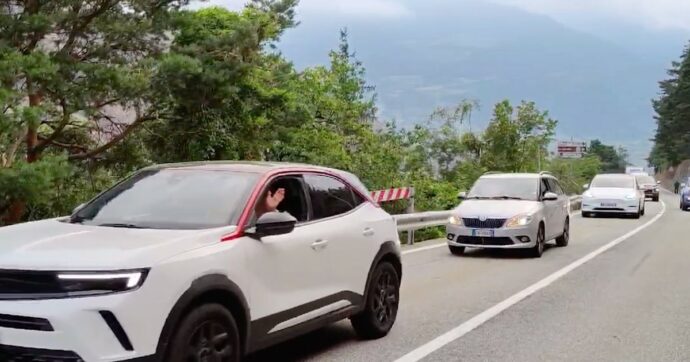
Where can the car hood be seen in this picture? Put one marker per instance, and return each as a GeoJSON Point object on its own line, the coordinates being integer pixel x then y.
{"type": "Point", "coordinates": [609, 192]}
{"type": "Point", "coordinates": [648, 186]}
{"type": "Point", "coordinates": [56, 245]}
{"type": "Point", "coordinates": [500, 209]}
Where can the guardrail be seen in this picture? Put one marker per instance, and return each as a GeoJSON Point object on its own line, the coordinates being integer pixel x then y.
{"type": "Point", "coordinates": [420, 220]}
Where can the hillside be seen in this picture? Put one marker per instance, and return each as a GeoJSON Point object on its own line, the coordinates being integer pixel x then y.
{"type": "Point", "coordinates": [474, 49]}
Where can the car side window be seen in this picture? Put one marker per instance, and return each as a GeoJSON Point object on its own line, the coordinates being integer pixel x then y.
{"type": "Point", "coordinates": [544, 188]}
{"type": "Point", "coordinates": [294, 201]}
{"type": "Point", "coordinates": [329, 196]}
{"type": "Point", "coordinates": [554, 186]}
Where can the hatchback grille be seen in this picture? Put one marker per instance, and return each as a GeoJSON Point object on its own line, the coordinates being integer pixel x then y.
{"type": "Point", "coordinates": [23, 354]}
{"type": "Point", "coordinates": [483, 224]}
{"type": "Point", "coordinates": [476, 240]}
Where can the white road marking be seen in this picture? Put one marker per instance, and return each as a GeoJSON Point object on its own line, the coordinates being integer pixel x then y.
{"type": "Point", "coordinates": [423, 248]}
{"type": "Point", "coordinates": [442, 244]}
{"type": "Point", "coordinates": [492, 312]}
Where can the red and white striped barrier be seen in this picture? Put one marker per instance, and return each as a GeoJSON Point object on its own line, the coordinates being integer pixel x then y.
{"type": "Point", "coordinates": [392, 194]}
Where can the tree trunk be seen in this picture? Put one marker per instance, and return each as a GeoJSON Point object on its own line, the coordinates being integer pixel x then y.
{"type": "Point", "coordinates": [32, 132]}
{"type": "Point", "coordinates": [17, 208]}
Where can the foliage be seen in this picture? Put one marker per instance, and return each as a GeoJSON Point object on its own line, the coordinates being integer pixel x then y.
{"type": "Point", "coordinates": [613, 160]}
{"type": "Point", "coordinates": [574, 173]}
{"type": "Point", "coordinates": [517, 140]}
{"type": "Point", "coordinates": [672, 138]}
{"type": "Point", "coordinates": [80, 114]}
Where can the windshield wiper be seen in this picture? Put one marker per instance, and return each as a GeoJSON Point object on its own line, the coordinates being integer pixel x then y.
{"type": "Point", "coordinates": [122, 225]}
{"type": "Point", "coordinates": [505, 197]}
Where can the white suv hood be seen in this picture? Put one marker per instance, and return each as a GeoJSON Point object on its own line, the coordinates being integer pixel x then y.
{"type": "Point", "coordinates": [502, 209]}
{"type": "Point", "coordinates": [56, 245]}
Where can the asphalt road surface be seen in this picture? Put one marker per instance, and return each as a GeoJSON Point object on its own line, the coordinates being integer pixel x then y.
{"type": "Point", "coordinates": [618, 292]}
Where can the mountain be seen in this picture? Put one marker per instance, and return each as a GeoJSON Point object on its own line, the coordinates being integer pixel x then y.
{"type": "Point", "coordinates": [440, 51]}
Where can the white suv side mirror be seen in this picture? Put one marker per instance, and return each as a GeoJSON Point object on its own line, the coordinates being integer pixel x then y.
{"type": "Point", "coordinates": [550, 196]}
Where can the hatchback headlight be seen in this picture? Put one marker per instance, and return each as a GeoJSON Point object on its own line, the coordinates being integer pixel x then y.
{"type": "Point", "coordinates": [455, 220]}
{"type": "Point", "coordinates": [587, 194]}
{"type": "Point", "coordinates": [630, 197]}
{"type": "Point", "coordinates": [519, 220]}
{"type": "Point", "coordinates": [76, 284]}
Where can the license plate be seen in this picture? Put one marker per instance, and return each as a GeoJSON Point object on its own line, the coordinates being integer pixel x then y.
{"type": "Point", "coordinates": [483, 233]}
{"type": "Point", "coordinates": [608, 204]}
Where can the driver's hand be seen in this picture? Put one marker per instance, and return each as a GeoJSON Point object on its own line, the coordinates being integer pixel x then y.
{"type": "Point", "coordinates": [273, 200]}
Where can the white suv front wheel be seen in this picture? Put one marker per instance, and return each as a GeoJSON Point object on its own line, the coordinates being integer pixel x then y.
{"type": "Point", "coordinates": [207, 333]}
{"type": "Point", "coordinates": [381, 304]}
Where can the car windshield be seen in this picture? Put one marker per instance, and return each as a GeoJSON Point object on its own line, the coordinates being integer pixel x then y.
{"type": "Point", "coordinates": [645, 180]}
{"type": "Point", "coordinates": [523, 188]}
{"type": "Point", "coordinates": [171, 199]}
{"type": "Point", "coordinates": [613, 181]}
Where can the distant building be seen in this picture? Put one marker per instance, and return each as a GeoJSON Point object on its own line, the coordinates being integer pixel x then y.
{"type": "Point", "coordinates": [571, 149]}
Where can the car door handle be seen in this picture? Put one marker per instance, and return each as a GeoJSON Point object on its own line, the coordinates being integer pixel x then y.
{"type": "Point", "coordinates": [368, 232]}
{"type": "Point", "coordinates": [319, 244]}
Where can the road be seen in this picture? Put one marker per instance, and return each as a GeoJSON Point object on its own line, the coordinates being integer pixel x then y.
{"type": "Point", "coordinates": [616, 293]}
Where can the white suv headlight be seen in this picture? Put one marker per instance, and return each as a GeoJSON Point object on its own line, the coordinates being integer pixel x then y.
{"type": "Point", "coordinates": [75, 284]}
{"type": "Point", "coordinates": [587, 194]}
{"type": "Point", "coordinates": [455, 220]}
{"type": "Point", "coordinates": [519, 220]}
{"type": "Point", "coordinates": [630, 197]}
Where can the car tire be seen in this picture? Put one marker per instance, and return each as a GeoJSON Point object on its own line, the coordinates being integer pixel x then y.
{"type": "Point", "coordinates": [563, 240]}
{"type": "Point", "coordinates": [456, 250]}
{"type": "Point", "coordinates": [637, 214]}
{"type": "Point", "coordinates": [656, 199]}
{"type": "Point", "coordinates": [208, 331]}
{"type": "Point", "coordinates": [381, 304]}
{"type": "Point", "coordinates": [538, 249]}
{"type": "Point", "coordinates": [643, 210]}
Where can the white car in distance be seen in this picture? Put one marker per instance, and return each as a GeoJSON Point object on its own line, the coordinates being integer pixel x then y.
{"type": "Point", "coordinates": [613, 194]}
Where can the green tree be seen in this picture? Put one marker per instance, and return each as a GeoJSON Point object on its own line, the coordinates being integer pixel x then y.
{"type": "Point", "coordinates": [226, 96]}
{"type": "Point", "coordinates": [74, 77]}
{"type": "Point", "coordinates": [517, 140]}
{"type": "Point", "coordinates": [612, 159]}
{"type": "Point", "coordinates": [672, 138]}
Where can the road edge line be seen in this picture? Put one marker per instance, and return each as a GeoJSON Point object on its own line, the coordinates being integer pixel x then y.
{"type": "Point", "coordinates": [483, 317]}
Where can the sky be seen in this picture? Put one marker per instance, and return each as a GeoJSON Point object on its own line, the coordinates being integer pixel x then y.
{"type": "Point", "coordinates": [651, 14]}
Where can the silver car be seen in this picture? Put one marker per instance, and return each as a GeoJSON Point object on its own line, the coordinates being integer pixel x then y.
{"type": "Point", "coordinates": [511, 211]}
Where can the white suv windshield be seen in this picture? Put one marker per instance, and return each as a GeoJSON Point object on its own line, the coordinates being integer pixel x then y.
{"type": "Point", "coordinates": [613, 181]}
{"type": "Point", "coordinates": [171, 199]}
{"type": "Point", "coordinates": [523, 188]}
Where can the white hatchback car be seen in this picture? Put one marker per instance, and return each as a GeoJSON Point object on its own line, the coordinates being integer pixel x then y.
{"type": "Point", "coordinates": [511, 211]}
{"type": "Point", "coordinates": [174, 264]}
{"type": "Point", "coordinates": [613, 194]}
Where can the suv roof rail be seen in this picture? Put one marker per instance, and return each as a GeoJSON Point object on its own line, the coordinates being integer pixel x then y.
{"type": "Point", "coordinates": [546, 173]}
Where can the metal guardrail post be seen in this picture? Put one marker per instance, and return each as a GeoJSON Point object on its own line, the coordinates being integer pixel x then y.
{"type": "Point", "coordinates": [410, 210]}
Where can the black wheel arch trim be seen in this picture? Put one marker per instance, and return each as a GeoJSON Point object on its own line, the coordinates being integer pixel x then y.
{"type": "Point", "coordinates": [205, 285]}
{"type": "Point", "coordinates": [388, 251]}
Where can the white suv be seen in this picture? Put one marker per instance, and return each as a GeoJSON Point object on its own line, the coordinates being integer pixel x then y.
{"type": "Point", "coordinates": [177, 263]}
{"type": "Point", "coordinates": [511, 211]}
